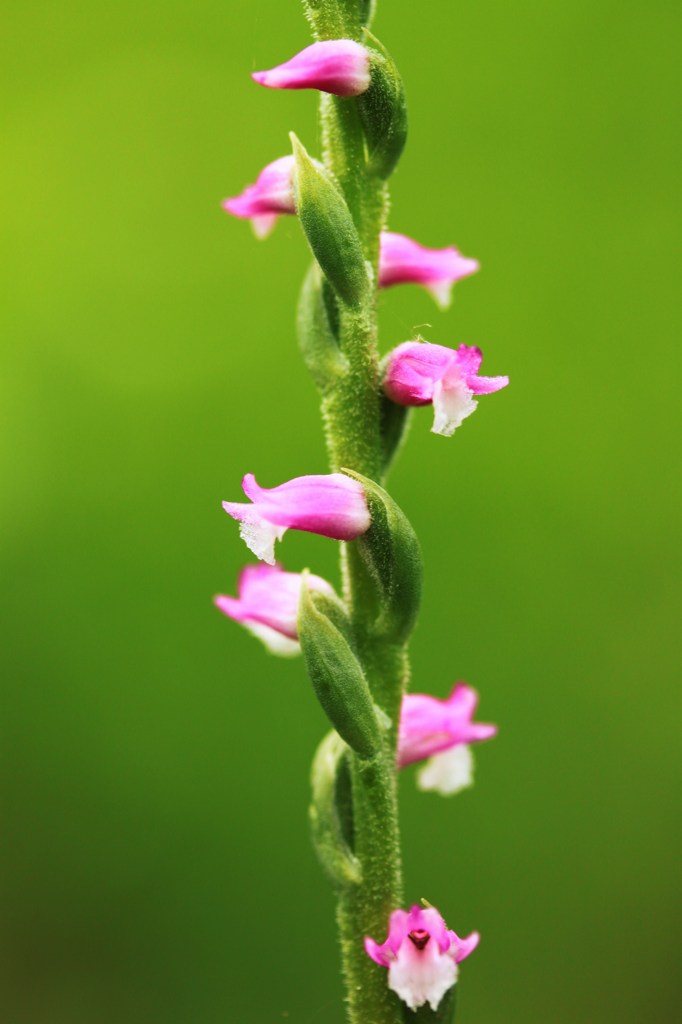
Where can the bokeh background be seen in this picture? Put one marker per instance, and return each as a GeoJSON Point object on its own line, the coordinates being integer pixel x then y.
{"type": "Point", "coordinates": [155, 857]}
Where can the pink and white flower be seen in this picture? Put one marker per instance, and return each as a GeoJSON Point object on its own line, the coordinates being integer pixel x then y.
{"type": "Point", "coordinates": [419, 373]}
{"type": "Point", "coordinates": [271, 195]}
{"type": "Point", "coordinates": [339, 66]}
{"type": "Point", "coordinates": [421, 954]}
{"type": "Point", "coordinates": [267, 604]}
{"type": "Point", "coordinates": [439, 732]}
{"type": "Point", "coordinates": [404, 261]}
{"type": "Point", "coordinates": [333, 505]}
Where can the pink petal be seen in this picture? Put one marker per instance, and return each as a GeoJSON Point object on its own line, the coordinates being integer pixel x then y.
{"type": "Point", "coordinates": [428, 919]}
{"type": "Point", "coordinates": [333, 505]}
{"type": "Point", "coordinates": [412, 371]}
{"type": "Point", "coordinates": [487, 385]}
{"type": "Point", "coordinates": [429, 726]}
{"type": "Point", "coordinates": [269, 197]}
{"type": "Point", "coordinates": [462, 948]}
{"type": "Point", "coordinates": [378, 953]}
{"type": "Point", "coordinates": [338, 66]}
{"type": "Point", "coordinates": [268, 604]}
{"type": "Point", "coordinates": [468, 359]}
{"type": "Point", "coordinates": [404, 261]}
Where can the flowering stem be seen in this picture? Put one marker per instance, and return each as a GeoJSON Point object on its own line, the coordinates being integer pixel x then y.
{"type": "Point", "coordinates": [355, 649]}
{"type": "Point", "coordinates": [352, 417]}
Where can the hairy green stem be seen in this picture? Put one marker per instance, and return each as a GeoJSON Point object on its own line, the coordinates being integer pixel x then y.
{"type": "Point", "coordinates": [364, 909]}
{"type": "Point", "coordinates": [352, 417]}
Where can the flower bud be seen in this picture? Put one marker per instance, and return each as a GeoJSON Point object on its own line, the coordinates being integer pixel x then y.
{"type": "Point", "coordinates": [332, 505]}
{"type": "Point", "coordinates": [271, 195]}
{"type": "Point", "coordinates": [338, 66]}
{"type": "Point", "coordinates": [267, 605]}
{"type": "Point", "coordinates": [404, 261]}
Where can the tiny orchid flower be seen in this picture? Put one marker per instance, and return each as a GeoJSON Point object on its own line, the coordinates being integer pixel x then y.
{"type": "Point", "coordinates": [339, 66]}
{"type": "Point", "coordinates": [438, 732]}
{"type": "Point", "coordinates": [404, 261]}
{"type": "Point", "coordinates": [268, 605]}
{"type": "Point", "coordinates": [418, 373]}
{"type": "Point", "coordinates": [333, 505]}
{"type": "Point", "coordinates": [421, 954]}
{"type": "Point", "coordinates": [271, 195]}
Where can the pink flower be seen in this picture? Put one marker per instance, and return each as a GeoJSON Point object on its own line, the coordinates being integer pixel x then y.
{"type": "Point", "coordinates": [418, 373]}
{"type": "Point", "coordinates": [438, 732]}
{"type": "Point", "coordinates": [421, 955]}
{"type": "Point", "coordinates": [339, 66]}
{"type": "Point", "coordinates": [268, 604]}
{"type": "Point", "coordinates": [333, 505]}
{"type": "Point", "coordinates": [271, 195]}
{"type": "Point", "coordinates": [404, 261]}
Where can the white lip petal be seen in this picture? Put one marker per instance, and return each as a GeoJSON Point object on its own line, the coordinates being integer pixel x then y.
{"type": "Point", "coordinates": [449, 772]}
{"type": "Point", "coordinates": [276, 643]}
{"type": "Point", "coordinates": [421, 976]}
{"type": "Point", "coordinates": [441, 292]}
{"type": "Point", "coordinates": [263, 224]}
{"type": "Point", "coordinates": [259, 535]}
{"type": "Point", "coordinates": [451, 405]}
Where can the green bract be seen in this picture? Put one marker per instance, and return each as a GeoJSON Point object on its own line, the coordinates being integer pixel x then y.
{"type": "Point", "coordinates": [326, 825]}
{"type": "Point", "coordinates": [316, 336]}
{"type": "Point", "coordinates": [391, 552]}
{"type": "Point", "coordinates": [383, 111]}
{"type": "Point", "coordinates": [336, 673]}
{"type": "Point", "coordinates": [329, 228]}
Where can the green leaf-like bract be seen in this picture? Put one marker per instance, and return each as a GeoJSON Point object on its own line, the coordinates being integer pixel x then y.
{"type": "Point", "coordinates": [391, 552]}
{"type": "Point", "coordinates": [335, 672]}
{"type": "Point", "coordinates": [329, 228]}
{"type": "Point", "coordinates": [317, 336]}
{"type": "Point", "coordinates": [330, 767]}
{"type": "Point", "coordinates": [383, 110]}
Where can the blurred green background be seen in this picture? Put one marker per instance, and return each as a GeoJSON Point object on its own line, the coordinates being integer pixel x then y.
{"type": "Point", "coordinates": [155, 856]}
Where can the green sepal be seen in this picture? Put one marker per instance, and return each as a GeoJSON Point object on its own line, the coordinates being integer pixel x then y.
{"type": "Point", "coordinates": [317, 338]}
{"type": "Point", "coordinates": [395, 420]}
{"type": "Point", "coordinates": [343, 796]}
{"type": "Point", "coordinates": [329, 228]}
{"type": "Point", "coordinates": [329, 776]}
{"type": "Point", "coordinates": [391, 552]}
{"type": "Point", "coordinates": [367, 9]}
{"type": "Point", "coordinates": [339, 682]}
{"type": "Point", "coordinates": [383, 110]}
